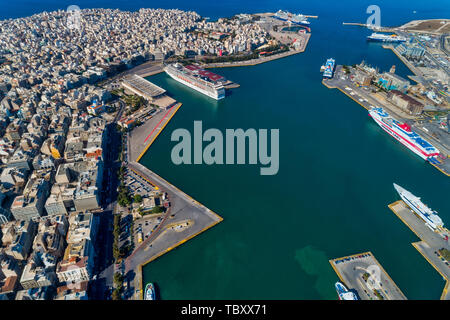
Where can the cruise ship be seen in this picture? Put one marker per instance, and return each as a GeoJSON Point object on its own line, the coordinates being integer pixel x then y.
{"type": "Point", "coordinates": [403, 133]}
{"type": "Point", "coordinates": [293, 18]}
{"type": "Point", "coordinates": [430, 217]}
{"type": "Point", "coordinates": [194, 77]}
{"type": "Point", "coordinates": [328, 69]}
{"type": "Point", "coordinates": [381, 37]}
{"type": "Point", "coordinates": [344, 293]}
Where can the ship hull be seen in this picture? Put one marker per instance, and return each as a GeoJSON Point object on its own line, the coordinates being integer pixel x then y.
{"type": "Point", "coordinates": [403, 140]}
{"type": "Point", "coordinates": [431, 219]}
{"type": "Point", "coordinates": [384, 40]}
{"type": "Point", "coordinates": [217, 95]}
{"type": "Point", "coordinates": [300, 23]}
{"type": "Point", "coordinates": [418, 212]}
{"type": "Point", "coordinates": [150, 292]}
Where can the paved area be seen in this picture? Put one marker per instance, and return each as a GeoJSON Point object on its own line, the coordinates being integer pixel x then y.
{"type": "Point", "coordinates": [431, 241]}
{"type": "Point", "coordinates": [185, 217]}
{"type": "Point", "coordinates": [145, 227]}
{"type": "Point", "coordinates": [143, 136]}
{"type": "Point", "coordinates": [365, 275]}
{"type": "Point", "coordinates": [164, 238]}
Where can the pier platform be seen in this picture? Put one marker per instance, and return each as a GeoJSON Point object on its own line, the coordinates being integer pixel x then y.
{"type": "Point", "coordinates": [364, 275]}
{"type": "Point", "coordinates": [430, 244]}
{"type": "Point", "coordinates": [185, 218]}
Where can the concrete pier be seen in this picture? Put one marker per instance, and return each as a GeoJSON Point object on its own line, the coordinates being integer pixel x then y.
{"type": "Point", "coordinates": [185, 218]}
{"type": "Point", "coordinates": [431, 241]}
{"type": "Point", "coordinates": [364, 274]}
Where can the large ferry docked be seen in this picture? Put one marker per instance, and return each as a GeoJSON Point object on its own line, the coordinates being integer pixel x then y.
{"type": "Point", "coordinates": [403, 133]}
{"type": "Point", "coordinates": [430, 217]}
{"type": "Point", "coordinates": [381, 37]}
{"type": "Point", "coordinates": [328, 68]}
{"type": "Point", "coordinates": [198, 79]}
{"type": "Point", "coordinates": [149, 292]}
{"type": "Point", "coordinates": [299, 19]}
{"type": "Point", "coordinates": [344, 293]}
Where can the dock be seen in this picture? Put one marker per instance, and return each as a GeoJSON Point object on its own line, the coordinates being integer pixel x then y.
{"type": "Point", "coordinates": [430, 244]}
{"type": "Point", "coordinates": [364, 275]}
{"type": "Point", "coordinates": [185, 218]}
{"type": "Point", "coordinates": [371, 27]}
{"type": "Point", "coordinates": [366, 100]}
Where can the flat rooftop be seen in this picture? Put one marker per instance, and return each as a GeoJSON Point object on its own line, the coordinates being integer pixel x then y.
{"type": "Point", "coordinates": [142, 86]}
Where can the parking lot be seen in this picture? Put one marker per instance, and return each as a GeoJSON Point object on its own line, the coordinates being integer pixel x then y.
{"type": "Point", "coordinates": [137, 184]}
{"type": "Point", "coordinates": [145, 226]}
{"type": "Point", "coordinates": [364, 274]}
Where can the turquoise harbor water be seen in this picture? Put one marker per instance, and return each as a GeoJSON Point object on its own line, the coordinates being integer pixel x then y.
{"type": "Point", "coordinates": [337, 167]}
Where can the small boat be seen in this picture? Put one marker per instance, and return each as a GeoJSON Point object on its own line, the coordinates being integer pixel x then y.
{"type": "Point", "coordinates": [150, 292]}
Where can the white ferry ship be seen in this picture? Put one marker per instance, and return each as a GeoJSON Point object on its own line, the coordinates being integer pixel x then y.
{"type": "Point", "coordinates": [402, 132]}
{"type": "Point", "coordinates": [430, 217]}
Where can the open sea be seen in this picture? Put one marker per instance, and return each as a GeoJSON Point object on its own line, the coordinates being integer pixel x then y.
{"type": "Point", "coordinates": [330, 196]}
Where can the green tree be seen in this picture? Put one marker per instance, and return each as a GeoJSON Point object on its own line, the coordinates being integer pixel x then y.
{"type": "Point", "coordinates": [118, 279]}
{"type": "Point", "coordinates": [157, 209]}
{"type": "Point", "coordinates": [116, 295]}
{"type": "Point", "coordinates": [137, 198]}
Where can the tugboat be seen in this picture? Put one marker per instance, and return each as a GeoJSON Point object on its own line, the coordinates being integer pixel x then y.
{"type": "Point", "coordinates": [150, 292]}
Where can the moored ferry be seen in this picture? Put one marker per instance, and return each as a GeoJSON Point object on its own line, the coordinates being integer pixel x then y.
{"type": "Point", "coordinates": [430, 217]}
{"type": "Point", "coordinates": [328, 68]}
{"type": "Point", "coordinates": [344, 293]}
{"type": "Point", "coordinates": [402, 132]}
{"type": "Point", "coordinates": [299, 19]}
{"type": "Point", "coordinates": [149, 292]}
{"type": "Point", "coordinates": [194, 77]}
{"type": "Point", "coordinates": [380, 37]}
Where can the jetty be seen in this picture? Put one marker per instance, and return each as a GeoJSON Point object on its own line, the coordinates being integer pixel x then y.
{"type": "Point", "coordinates": [184, 219]}
{"type": "Point", "coordinates": [362, 273]}
{"type": "Point", "coordinates": [432, 243]}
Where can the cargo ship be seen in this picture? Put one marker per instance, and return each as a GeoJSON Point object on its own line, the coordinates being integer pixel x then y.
{"type": "Point", "coordinates": [402, 132]}
{"type": "Point", "coordinates": [432, 220]}
{"type": "Point", "coordinates": [328, 68]}
{"type": "Point", "coordinates": [344, 293]}
{"type": "Point", "coordinates": [381, 37]}
{"type": "Point", "coordinates": [194, 77]}
{"type": "Point", "coordinates": [150, 292]}
{"type": "Point", "coordinates": [299, 19]}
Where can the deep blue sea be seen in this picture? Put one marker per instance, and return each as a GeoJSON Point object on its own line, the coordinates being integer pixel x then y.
{"type": "Point", "coordinates": [330, 196]}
